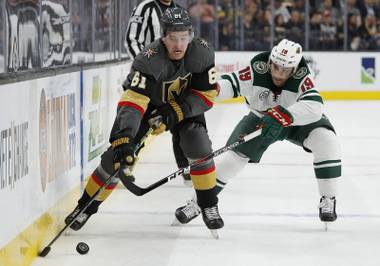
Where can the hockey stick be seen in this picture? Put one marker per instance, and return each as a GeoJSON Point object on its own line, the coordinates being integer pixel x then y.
{"type": "Point", "coordinates": [139, 191]}
{"type": "Point", "coordinates": [46, 250]}
{"type": "Point", "coordinates": [115, 174]}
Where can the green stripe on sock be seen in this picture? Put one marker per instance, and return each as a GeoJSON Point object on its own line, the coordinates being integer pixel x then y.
{"type": "Point", "coordinates": [328, 172]}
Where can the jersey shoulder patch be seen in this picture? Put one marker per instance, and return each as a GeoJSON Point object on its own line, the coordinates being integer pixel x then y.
{"type": "Point", "coordinates": [200, 56]}
{"type": "Point", "coordinates": [259, 63]}
{"type": "Point", "coordinates": [151, 59]}
{"type": "Point", "coordinates": [302, 71]}
{"type": "Point", "coordinates": [260, 69]}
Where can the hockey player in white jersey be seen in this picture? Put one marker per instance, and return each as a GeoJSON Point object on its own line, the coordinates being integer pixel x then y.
{"type": "Point", "coordinates": [283, 99]}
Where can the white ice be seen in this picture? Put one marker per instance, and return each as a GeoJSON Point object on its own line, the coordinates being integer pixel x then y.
{"type": "Point", "coordinates": [270, 210]}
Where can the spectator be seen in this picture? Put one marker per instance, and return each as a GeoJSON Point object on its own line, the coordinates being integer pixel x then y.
{"type": "Point", "coordinates": [250, 27]}
{"type": "Point", "coordinates": [328, 31]}
{"type": "Point", "coordinates": [369, 33]}
{"type": "Point", "coordinates": [368, 7]}
{"type": "Point", "coordinates": [226, 13]}
{"type": "Point", "coordinates": [295, 28]}
{"type": "Point", "coordinates": [204, 15]}
{"type": "Point", "coordinates": [353, 31]}
{"type": "Point", "coordinates": [327, 5]}
{"type": "Point", "coordinates": [279, 28]}
{"type": "Point", "coordinates": [351, 6]}
{"type": "Point", "coordinates": [280, 8]}
{"type": "Point", "coordinates": [315, 31]}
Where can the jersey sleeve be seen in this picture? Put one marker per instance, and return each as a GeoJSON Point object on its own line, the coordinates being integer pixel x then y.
{"type": "Point", "coordinates": [202, 94]}
{"type": "Point", "coordinates": [132, 104]}
{"type": "Point", "coordinates": [309, 105]}
{"type": "Point", "coordinates": [235, 84]}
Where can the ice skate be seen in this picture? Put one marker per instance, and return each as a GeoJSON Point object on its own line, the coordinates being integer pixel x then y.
{"type": "Point", "coordinates": [80, 220]}
{"type": "Point", "coordinates": [185, 214]}
{"type": "Point", "coordinates": [327, 212]}
{"type": "Point", "coordinates": [212, 219]}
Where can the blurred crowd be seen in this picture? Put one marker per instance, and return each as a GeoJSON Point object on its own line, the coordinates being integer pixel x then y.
{"type": "Point", "coordinates": [35, 33]}
{"type": "Point", "coordinates": [316, 24]}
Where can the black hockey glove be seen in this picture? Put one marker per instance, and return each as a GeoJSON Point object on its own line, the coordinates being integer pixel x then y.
{"type": "Point", "coordinates": [123, 152]}
{"type": "Point", "coordinates": [274, 122]}
{"type": "Point", "coordinates": [169, 114]}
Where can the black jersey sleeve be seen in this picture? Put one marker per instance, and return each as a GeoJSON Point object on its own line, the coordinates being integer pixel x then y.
{"type": "Point", "coordinates": [203, 92]}
{"type": "Point", "coordinates": [132, 104]}
{"type": "Point", "coordinates": [201, 61]}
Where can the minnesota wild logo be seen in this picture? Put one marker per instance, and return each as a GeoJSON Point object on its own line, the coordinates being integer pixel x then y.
{"type": "Point", "coordinates": [260, 67]}
{"type": "Point", "coordinates": [300, 73]}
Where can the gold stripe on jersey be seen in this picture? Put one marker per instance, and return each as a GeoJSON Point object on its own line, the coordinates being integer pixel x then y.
{"type": "Point", "coordinates": [136, 98]}
{"type": "Point", "coordinates": [208, 96]}
{"type": "Point", "coordinates": [177, 109]}
{"type": "Point", "coordinates": [204, 182]}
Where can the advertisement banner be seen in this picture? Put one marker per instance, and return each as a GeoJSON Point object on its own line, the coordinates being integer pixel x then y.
{"type": "Point", "coordinates": [333, 71]}
{"type": "Point", "coordinates": [101, 93]}
{"type": "Point", "coordinates": [95, 113]}
{"type": "Point", "coordinates": [39, 148]}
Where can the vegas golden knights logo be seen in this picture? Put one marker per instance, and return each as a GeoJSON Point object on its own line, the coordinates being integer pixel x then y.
{"type": "Point", "coordinates": [174, 88]}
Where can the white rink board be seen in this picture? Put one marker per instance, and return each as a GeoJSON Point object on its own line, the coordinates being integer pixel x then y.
{"type": "Point", "coordinates": [101, 93]}
{"type": "Point", "coordinates": [48, 109]}
{"type": "Point", "coordinates": [334, 71]}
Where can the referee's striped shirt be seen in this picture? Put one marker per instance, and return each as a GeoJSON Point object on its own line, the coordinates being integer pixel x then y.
{"type": "Point", "coordinates": [144, 25]}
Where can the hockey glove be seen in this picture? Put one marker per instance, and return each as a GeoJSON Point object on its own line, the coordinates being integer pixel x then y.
{"type": "Point", "coordinates": [274, 122]}
{"type": "Point", "coordinates": [170, 114]}
{"type": "Point", "coordinates": [123, 152]}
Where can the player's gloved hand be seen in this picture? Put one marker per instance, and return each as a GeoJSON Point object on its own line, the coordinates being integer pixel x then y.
{"type": "Point", "coordinates": [170, 114]}
{"type": "Point", "coordinates": [274, 122]}
{"type": "Point", "coordinates": [123, 152]}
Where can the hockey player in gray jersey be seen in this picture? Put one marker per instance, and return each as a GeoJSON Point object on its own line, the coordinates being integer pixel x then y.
{"type": "Point", "coordinates": [173, 79]}
{"type": "Point", "coordinates": [281, 94]}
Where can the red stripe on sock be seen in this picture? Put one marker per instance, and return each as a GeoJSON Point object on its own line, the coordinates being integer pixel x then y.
{"type": "Point", "coordinates": [204, 171]}
{"type": "Point", "coordinates": [100, 183]}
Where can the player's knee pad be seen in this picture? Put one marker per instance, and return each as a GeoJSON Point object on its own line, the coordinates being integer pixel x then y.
{"type": "Point", "coordinates": [107, 161]}
{"type": "Point", "coordinates": [324, 144]}
{"type": "Point", "coordinates": [229, 165]}
{"type": "Point", "coordinates": [194, 141]}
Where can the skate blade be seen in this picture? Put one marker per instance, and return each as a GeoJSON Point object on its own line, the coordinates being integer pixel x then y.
{"type": "Point", "coordinates": [214, 233]}
{"type": "Point", "coordinates": [176, 222]}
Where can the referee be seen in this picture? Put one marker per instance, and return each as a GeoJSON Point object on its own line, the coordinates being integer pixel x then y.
{"type": "Point", "coordinates": [144, 24]}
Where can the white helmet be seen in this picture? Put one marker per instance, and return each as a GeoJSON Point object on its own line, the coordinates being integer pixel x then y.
{"type": "Point", "coordinates": [286, 54]}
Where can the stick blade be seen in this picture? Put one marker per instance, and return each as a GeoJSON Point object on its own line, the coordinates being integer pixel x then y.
{"type": "Point", "coordinates": [128, 184]}
{"type": "Point", "coordinates": [44, 252]}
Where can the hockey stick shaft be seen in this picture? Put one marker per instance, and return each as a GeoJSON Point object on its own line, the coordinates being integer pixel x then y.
{"type": "Point", "coordinates": [139, 191]}
{"type": "Point", "coordinates": [47, 248]}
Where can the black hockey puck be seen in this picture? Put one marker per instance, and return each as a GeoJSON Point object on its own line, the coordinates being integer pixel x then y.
{"type": "Point", "coordinates": [82, 248]}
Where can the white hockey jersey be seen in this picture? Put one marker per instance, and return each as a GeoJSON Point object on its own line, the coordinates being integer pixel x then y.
{"type": "Point", "coordinates": [254, 82]}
